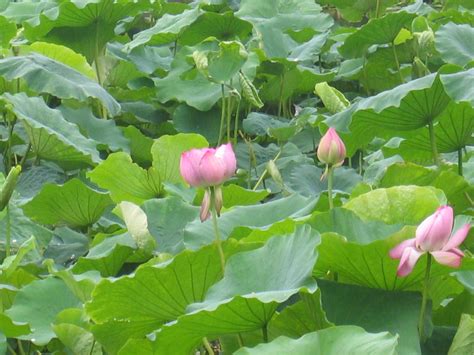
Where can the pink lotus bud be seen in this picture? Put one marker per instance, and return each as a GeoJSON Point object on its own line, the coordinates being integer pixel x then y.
{"type": "Point", "coordinates": [208, 166]}
{"type": "Point", "coordinates": [433, 236]}
{"type": "Point", "coordinates": [205, 206]}
{"type": "Point", "coordinates": [331, 149]}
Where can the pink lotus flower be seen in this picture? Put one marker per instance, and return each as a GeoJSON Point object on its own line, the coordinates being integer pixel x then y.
{"type": "Point", "coordinates": [331, 149]}
{"type": "Point", "coordinates": [208, 166]}
{"type": "Point", "coordinates": [433, 236]}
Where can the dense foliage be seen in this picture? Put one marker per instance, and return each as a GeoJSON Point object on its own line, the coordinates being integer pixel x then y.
{"type": "Point", "coordinates": [102, 246]}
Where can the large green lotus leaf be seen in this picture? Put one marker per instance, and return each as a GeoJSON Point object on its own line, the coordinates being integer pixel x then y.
{"type": "Point", "coordinates": [166, 30]}
{"type": "Point", "coordinates": [296, 79]}
{"type": "Point", "coordinates": [167, 150]}
{"type": "Point", "coordinates": [227, 61]}
{"type": "Point", "coordinates": [305, 316]}
{"type": "Point", "coordinates": [13, 329]}
{"type": "Point", "coordinates": [459, 85]}
{"type": "Point", "coordinates": [235, 195]}
{"type": "Point", "coordinates": [247, 297]}
{"type": "Point", "coordinates": [451, 313]}
{"type": "Point", "coordinates": [398, 204]}
{"type": "Point", "coordinates": [187, 119]}
{"type": "Point", "coordinates": [64, 55]}
{"type": "Point", "coordinates": [453, 131]}
{"type": "Point", "coordinates": [463, 341]}
{"type": "Point", "coordinates": [38, 304]}
{"type": "Point", "coordinates": [7, 31]}
{"type": "Point", "coordinates": [45, 75]}
{"type": "Point", "coordinates": [194, 89]}
{"type": "Point", "coordinates": [73, 204]}
{"type": "Point", "coordinates": [102, 131]}
{"type": "Point", "coordinates": [125, 180]}
{"type": "Point", "coordinates": [32, 180]}
{"type": "Point", "coordinates": [21, 228]}
{"type": "Point", "coordinates": [454, 43]}
{"type": "Point", "coordinates": [375, 311]}
{"type": "Point", "coordinates": [66, 245]}
{"type": "Point", "coordinates": [51, 136]}
{"type": "Point", "coordinates": [107, 256]}
{"type": "Point", "coordinates": [455, 187]}
{"type": "Point", "coordinates": [377, 31]}
{"type": "Point", "coordinates": [345, 222]}
{"type": "Point", "coordinates": [137, 305]}
{"type": "Point", "coordinates": [83, 25]}
{"type": "Point", "coordinates": [223, 26]}
{"type": "Point", "coordinates": [262, 216]}
{"type": "Point", "coordinates": [274, 20]}
{"type": "Point", "coordinates": [394, 112]}
{"type": "Point", "coordinates": [167, 218]}
{"type": "Point", "coordinates": [333, 341]}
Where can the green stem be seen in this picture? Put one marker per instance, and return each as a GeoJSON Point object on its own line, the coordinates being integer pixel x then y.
{"type": "Point", "coordinates": [207, 346]}
{"type": "Point", "coordinates": [221, 128]}
{"type": "Point", "coordinates": [236, 123]}
{"type": "Point", "coordinates": [229, 116]}
{"type": "Point", "coordinates": [20, 347]}
{"type": "Point", "coordinates": [216, 230]}
{"type": "Point", "coordinates": [265, 333]}
{"type": "Point", "coordinates": [8, 233]}
{"type": "Point", "coordinates": [421, 321]}
{"type": "Point", "coordinates": [434, 149]}
{"type": "Point", "coordinates": [361, 154]}
{"type": "Point", "coordinates": [265, 172]}
{"type": "Point", "coordinates": [377, 9]}
{"type": "Point", "coordinates": [397, 63]}
{"type": "Point", "coordinates": [330, 185]}
{"type": "Point", "coordinates": [460, 161]}
{"type": "Point", "coordinates": [25, 156]}
{"type": "Point", "coordinates": [366, 77]}
{"type": "Point", "coordinates": [280, 100]}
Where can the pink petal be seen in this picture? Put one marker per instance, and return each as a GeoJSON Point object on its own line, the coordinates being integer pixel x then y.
{"type": "Point", "coordinates": [189, 166]}
{"type": "Point", "coordinates": [212, 169]}
{"type": "Point", "coordinates": [433, 233]}
{"type": "Point", "coordinates": [396, 252]}
{"type": "Point", "coordinates": [457, 238]}
{"type": "Point", "coordinates": [226, 153]}
{"type": "Point", "coordinates": [448, 258]}
{"type": "Point", "coordinates": [408, 261]}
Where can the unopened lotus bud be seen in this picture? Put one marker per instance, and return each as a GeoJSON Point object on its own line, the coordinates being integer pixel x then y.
{"type": "Point", "coordinates": [218, 199]}
{"type": "Point", "coordinates": [205, 206]}
{"type": "Point", "coordinates": [331, 149]}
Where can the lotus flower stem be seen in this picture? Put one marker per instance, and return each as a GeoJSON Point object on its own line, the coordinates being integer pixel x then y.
{"type": "Point", "coordinates": [8, 234]}
{"type": "Point", "coordinates": [434, 149]}
{"type": "Point", "coordinates": [330, 185]}
{"type": "Point", "coordinates": [236, 122]}
{"type": "Point", "coordinates": [421, 321]}
{"type": "Point", "coordinates": [208, 346]}
{"type": "Point", "coordinates": [397, 62]}
{"type": "Point", "coordinates": [229, 116]}
{"type": "Point", "coordinates": [460, 161]}
{"type": "Point", "coordinates": [217, 233]}
{"type": "Point", "coordinates": [221, 128]}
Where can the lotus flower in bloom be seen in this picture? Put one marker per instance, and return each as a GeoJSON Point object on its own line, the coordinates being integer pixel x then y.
{"type": "Point", "coordinates": [208, 167]}
{"type": "Point", "coordinates": [331, 149]}
{"type": "Point", "coordinates": [433, 236]}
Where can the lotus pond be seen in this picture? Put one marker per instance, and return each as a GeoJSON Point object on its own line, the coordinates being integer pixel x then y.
{"type": "Point", "coordinates": [240, 177]}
